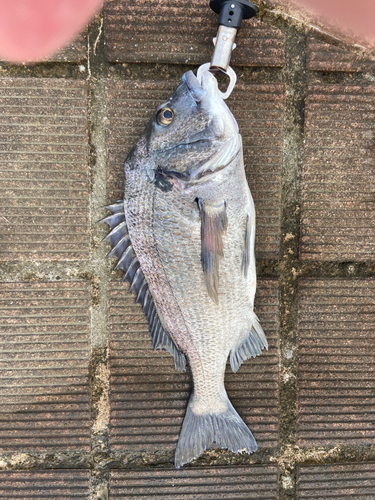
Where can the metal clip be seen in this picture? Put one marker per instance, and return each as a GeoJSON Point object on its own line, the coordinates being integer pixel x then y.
{"type": "Point", "coordinates": [230, 72]}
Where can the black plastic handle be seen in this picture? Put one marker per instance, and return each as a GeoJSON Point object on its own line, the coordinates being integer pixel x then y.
{"type": "Point", "coordinates": [231, 12]}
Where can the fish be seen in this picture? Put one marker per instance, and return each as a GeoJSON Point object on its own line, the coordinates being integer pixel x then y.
{"type": "Point", "coordinates": [184, 236]}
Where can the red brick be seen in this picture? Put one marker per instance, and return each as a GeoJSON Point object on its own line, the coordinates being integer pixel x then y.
{"type": "Point", "coordinates": [336, 347]}
{"type": "Point", "coordinates": [338, 481]}
{"type": "Point", "coordinates": [43, 169]}
{"type": "Point", "coordinates": [322, 56]}
{"type": "Point", "coordinates": [181, 32]}
{"type": "Point", "coordinates": [256, 482]}
{"type": "Point", "coordinates": [338, 216]}
{"type": "Point", "coordinates": [39, 485]}
{"type": "Point", "coordinates": [259, 112]}
{"type": "Point", "coordinates": [148, 397]}
{"type": "Point", "coordinates": [44, 341]}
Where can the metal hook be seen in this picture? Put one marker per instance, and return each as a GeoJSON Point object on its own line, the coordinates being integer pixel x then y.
{"type": "Point", "coordinates": [230, 72]}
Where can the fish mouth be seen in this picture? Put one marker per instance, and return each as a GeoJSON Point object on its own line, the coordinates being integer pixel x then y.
{"type": "Point", "coordinates": [195, 88]}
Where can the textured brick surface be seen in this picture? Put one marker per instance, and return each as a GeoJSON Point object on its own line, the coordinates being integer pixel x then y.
{"type": "Point", "coordinates": [256, 482]}
{"type": "Point", "coordinates": [181, 32]}
{"type": "Point", "coordinates": [338, 216]}
{"type": "Point", "coordinates": [43, 169]}
{"type": "Point", "coordinates": [148, 397]}
{"type": "Point", "coordinates": [75, 52]}
{"type": "Point", "coordinates": [42, 485]}
{"type": "Point", "coordinates": [336, 347]}
{"type": "Point", "coordinates": [322, 56]}
{"type": "Point", "coordinates": [259, 112]}
{"type": "Point", "coordinates": [339, 482]}
{"type": "Point", "coordinates": [44, 358]}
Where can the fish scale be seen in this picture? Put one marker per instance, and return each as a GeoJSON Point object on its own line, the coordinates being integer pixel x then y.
{"type": "Point", "coordinates": [184, 236]}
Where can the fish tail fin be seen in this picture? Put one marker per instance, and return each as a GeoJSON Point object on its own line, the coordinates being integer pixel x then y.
{"type": "Point", "coordinates": [226, 429]}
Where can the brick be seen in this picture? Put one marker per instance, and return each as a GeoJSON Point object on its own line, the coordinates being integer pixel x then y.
{"type": "Point", "coordinates": [259, 112]}
{"type": "Point", "coordinates": [339, 481]}
{"type": "Point", "coordinates": [44, 358]}
{"type": "Point", "coordinates": [255, 482]}
{"type": "Point", "coordinates": [74, 52]}
{"type": "Point", "coordinates": [39, 485]}
{"type": "Point", "coordinates": [322, 56]}
{"type": "Point", "coordinates": [338, 216]}
{"type": "Point", "coordinates": [181, 32]}
{"type": "Point", "coordinates": [336, 346]}
{"type": "Point", "coordinates": [148, 397]}
{"type": "Point", "coordinates": [43, 169]}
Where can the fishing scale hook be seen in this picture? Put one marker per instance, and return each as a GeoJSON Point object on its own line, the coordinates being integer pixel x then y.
{"type": "Point", "coordinates": [231, 13]}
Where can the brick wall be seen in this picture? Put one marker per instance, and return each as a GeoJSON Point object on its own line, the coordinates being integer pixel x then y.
{"type": "Point", "coordinates": [88, 409]}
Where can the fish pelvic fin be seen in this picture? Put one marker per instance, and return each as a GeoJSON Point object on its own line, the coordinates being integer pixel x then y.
{"type": "Point", "coordinates": [214, 223]}
{"type": "Point", "coordinates": [250, 346]}
{"type": "Point", "coordinates": [226, 429]}
{"type": "Point", "coordinates": [122, 249]}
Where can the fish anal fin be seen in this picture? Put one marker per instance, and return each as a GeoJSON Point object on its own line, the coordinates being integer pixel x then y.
{"type": "Point", "coordinates": [250, 346]}
{"type": "Point", "coordinates": [214, 223]}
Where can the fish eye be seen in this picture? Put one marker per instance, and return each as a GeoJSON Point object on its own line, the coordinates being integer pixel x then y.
{"type": "Point", "coordinates": [164, 117]}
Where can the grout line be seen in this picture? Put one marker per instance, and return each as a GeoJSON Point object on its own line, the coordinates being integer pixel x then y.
{"type": "Point", "coordinates": [290, 455]}
{"type": "Point", "coordinates": [100, 268]}
{"type": "Point", "coordinates": [295, 84]}
{"type": "Point", "coordinates": [75, 270]}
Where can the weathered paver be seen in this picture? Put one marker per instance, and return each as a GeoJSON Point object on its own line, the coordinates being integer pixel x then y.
{"type": "Point", "coordinates": [181, 32]}
{"type": "Point", "coordinates": [338, 204]}
{"type": "Point", "coordinates": [322, 56]}
{"type": "Point", "coordinates": [226, 483]}
{"type": "Point", "coordinates": [74, 52]}
{"type": "Point", "coordinates": [336, 482]}
{"type": "Point", "coordinates": [42, 485]}
{"type": "Point", "coordinates": [44, 366]}
{"type": "Point", "coordinates": [43, 169]}
{"type": "Point", "coordinates": [336, 347]}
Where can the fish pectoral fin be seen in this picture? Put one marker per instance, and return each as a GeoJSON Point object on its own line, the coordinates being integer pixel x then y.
{"type": "Point", "coordinates": [128, 262]}
{"type": "Point", "coordinates": [248, 347]}
{"type": "Point", "coordinates": [214, 223]}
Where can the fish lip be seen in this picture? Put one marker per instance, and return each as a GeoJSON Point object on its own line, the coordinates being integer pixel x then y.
{"type": "Point", "coordinates": [195, 88]}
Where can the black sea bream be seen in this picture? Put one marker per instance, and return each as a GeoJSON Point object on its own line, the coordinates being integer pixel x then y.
{"type": "Point", "coordinates": [184, 235]}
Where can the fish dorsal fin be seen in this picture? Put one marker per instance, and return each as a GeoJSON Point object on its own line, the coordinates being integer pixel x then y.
{"type": "Point", "coordinates": [214, 223]}
{"type": "Point", "coordinates": [249, 346]}
{"type": "Point", "coordinates": [123, 250]}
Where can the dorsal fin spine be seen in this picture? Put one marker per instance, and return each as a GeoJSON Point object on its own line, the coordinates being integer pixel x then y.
{"type": "Point", "coordinates": [124, 240]}
{"type": "Point", "coordinates": [115, 230]}
{"type": "Point", "coordinates": [123, 257]}
{"type": "Point", "coordinates": [141, 293]}
{"type": "Point", "coordinates": [138, 276]}
{"type": "Point", "coordinates": [129, 273]}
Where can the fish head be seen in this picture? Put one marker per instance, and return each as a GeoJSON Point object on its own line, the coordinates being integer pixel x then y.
{"type": "Point", "coordinates": [193, 132]}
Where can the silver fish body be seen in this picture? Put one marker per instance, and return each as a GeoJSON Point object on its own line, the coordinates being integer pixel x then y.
{"type": "Point", "coordinates": [188, 223]}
